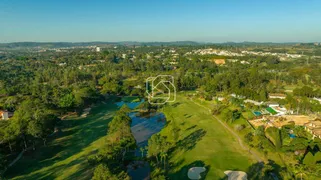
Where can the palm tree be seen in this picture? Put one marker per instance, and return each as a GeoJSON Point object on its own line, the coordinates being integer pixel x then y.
{"type": "Point", "coordinates": [301, 174]}
{"type": "Point", "coordinates": [142, 151]}
{"type": "Point", "coordinates": [299, 171]}
{"type": "Point", "coordinates": [163, 156]}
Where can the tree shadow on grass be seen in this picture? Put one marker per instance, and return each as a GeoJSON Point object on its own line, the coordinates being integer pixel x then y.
{"type": "Point", "coordinates": [53, 172]}
{"type": "Point", "coordinates": [176, 104]}
{"type": "Point", "coordinates": [190, 128]}
{"type": "Point", "coordinates": [259, 170]}
{"type": "Point", "coordinates": [189, 142]}
{"type": "Point", "coordinates": [182, 173]}
{"type": "Point", "coordinates": [76, 135]}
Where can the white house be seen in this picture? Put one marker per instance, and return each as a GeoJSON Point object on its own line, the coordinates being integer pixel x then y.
{"type": "Point", "coordinates": [237, 96]}
{"type": "Point", "coordinates": [277, 96]}
{"type": "Point", "coordinates": [280, 110]}
{"type": "Point", "coordinates": [5, 115]}
{"type": "Point", "coordinates": [253, 102]}
{"type": "Point", "coordinates": [272, 104]}
{"type": "Point", "coordinates": [314, 127]}
{"type": "Point", "coordinates": [318, 99]}
{"type": "Point", "coordinates": [220, 98]}
{"type": "Point", "coordinates": [98, 49]}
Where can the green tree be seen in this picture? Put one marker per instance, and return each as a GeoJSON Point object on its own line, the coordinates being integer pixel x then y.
{"type": "Point", "coordinates": [217, 109]}
{"type": "Point", "coordinates": [309, 159]}
{"type": "Point", "coordinates": [142, 150]}
{"type": "Point", "coordinates": [3, 162]}
{"type": "Point", "coordinates": [259, 131]}
{"type": "Point", "coordinates": [163, 156]}
{"type": "Point", "coordinates": [81, 94]}
{"type": "Point", "coordinates": [154, 147]}
{"type": "Point", "coordinates": [317, 157]}
{"type": "Point", "coordinates": [102, 172]}
{"type": "Point", "coordinates": [227, 115]}
{"type": "Point", "coordinates": [111, 87]}
{"type": "Point", "coordinates": [299, 172]}
{"type": "Point", "coordinates": [21, 119]}
{"type": "Point", "coordinates": [67, 101]}
{"type": "Point", "coordinates": [263, 95]}
{"type": "Point", "coordinates": [8, 134]}
{"type": "Point", "coordinates": [249, 137]}
{"type": "Point", "coordinates": [274, 135]}
{"type": "Point", "coordinates": [42, 125]}
{"type": "Point", "coordinates": [235, 115]}
{"type": "Point", "coordinates": [125, 109]}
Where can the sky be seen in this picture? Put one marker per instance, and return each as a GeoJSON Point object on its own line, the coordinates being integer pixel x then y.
{"type": "Point", "coordinates": [160, 20]}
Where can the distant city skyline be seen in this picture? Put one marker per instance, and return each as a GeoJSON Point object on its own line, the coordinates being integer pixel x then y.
{"type": "Point", "coordinates": [160, 21]}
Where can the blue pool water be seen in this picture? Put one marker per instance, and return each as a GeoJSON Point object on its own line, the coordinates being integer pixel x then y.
{"type": "Point", "coordinates": [292, 135]}
{"type": "Point", "coordinates": [257, 113]}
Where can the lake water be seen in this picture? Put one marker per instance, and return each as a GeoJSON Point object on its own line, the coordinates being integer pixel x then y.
{"type": "Point", "coordinates": [131, 105]}
{"type": "Point", "coordinates": [142, 127]}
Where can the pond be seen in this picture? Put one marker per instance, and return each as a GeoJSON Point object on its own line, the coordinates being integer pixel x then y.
{"type": "Point", "coordinates": [142, 127]}
{"type": "Point", "coordinates": [131, 105]}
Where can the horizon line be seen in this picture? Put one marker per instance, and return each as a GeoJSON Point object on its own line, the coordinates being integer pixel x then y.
{"type": "Point", "coordinates": [201, 42]}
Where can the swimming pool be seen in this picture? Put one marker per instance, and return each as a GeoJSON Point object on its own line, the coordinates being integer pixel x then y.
{"type": "Point", "coordinates": [292, 135]}
{"type": "Point", "coordinates": [257, 113]}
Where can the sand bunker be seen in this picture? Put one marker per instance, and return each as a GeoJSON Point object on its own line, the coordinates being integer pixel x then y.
{"type": "Point", "coordinates": [236, 175]}
{"type": "Point", "coordinates": [194, 172]}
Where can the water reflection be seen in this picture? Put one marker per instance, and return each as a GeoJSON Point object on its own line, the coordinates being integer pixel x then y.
{"type": "Point", "coordinates": [143, 126]}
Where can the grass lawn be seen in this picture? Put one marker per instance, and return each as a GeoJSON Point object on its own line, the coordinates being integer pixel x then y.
{"type": "Point", "coordinates": [248, 114]}
{"type": "Point", "coordinates": [203, 141]}
{"type": "Point", "coordinates": [280, 159]}
{"type": "Point", "coordinates": [65, 157]}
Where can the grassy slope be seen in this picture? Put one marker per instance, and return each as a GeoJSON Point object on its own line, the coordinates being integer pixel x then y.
{"type": "Point", "coordinates": [203, 142]}
{"type": "Point", "coordinates": [279, 158]}
{"type": "Point", "coordinates": [66, 156]}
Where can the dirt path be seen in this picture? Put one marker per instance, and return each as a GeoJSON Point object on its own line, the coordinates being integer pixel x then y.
{"type": "Point", "coordinates": [255, 155]}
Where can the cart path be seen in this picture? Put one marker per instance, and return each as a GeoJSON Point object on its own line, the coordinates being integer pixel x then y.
{"type": "Point", "coordinates": [255, 155]}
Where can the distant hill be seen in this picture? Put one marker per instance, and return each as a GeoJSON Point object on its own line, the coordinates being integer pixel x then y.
{"type": "Point", "coordinates": [78, 44]}
{"type": "Point", "coordinates": [47, 44]}
{"type": "Point", "coordinates": [136, 43]}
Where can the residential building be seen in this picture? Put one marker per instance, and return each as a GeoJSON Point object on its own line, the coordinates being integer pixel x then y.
{"type": "Point", "coordinates": [279, 111]}
{"type": "Point", "coordinates": [314, 127]}
{"type": "Point", "coordinates": [272, 104]}
{"type": "Point", "coordinates": [5, 115]}
{"type": "Point", "coordinates": [253, 102]}
{"type": "Point", "coordinates": [317, 99]}
{"type": "Point", "coordinates": [277, 96]}
{"type": "Point", "coordinates": [237, 96]}
{"type": "Point", "coordinates": [220, 98]}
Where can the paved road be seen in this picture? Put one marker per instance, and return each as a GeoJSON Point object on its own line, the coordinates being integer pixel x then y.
{"type": "Point", "coordinates": [257, 157]}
